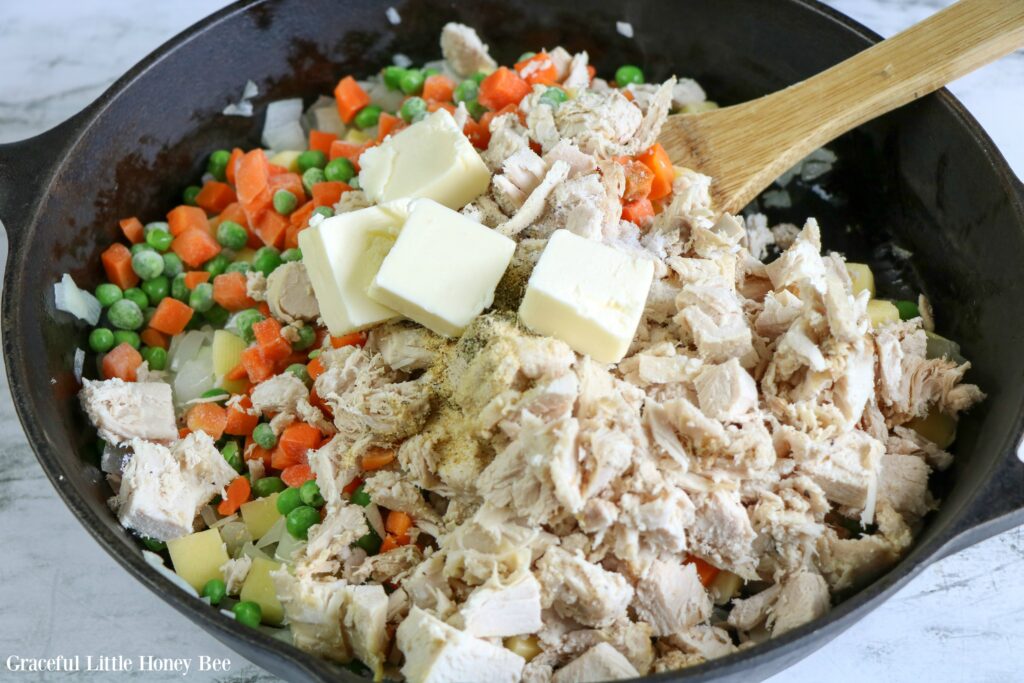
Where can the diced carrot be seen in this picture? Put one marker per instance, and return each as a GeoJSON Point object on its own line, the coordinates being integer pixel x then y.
{"type": "Point", "coordinates": [183, 432]}
{"type": "Point", "coordinates": [350, 339]}
{"type": "Point", "coordinates": [154, 338]}
{"type": "Point", "coordinates": [240, 422]}
{"type": "Point", "coordinates": [705, 571]}
{"type": "Point", "coordinates": [656, 159]}
{"type": "Point", "coordinates": [376, 458]}
{"type": "Point", "coordinates": [207, 417]}
{"type": "Point", "coordinates": [215, 196]}
{"type": "Point", "coordinates": [231, 292]}
{"type": "Point", "coordinates": [315, 400]}
{"type": "Point", "coordinates": [434, 105]}
{"type": "Point", "coordinates": [236, 373]}
{"type": "Point", "coordinates": [391, 542]}
{"type": "Point", "coordinates": [196, 277]}
{"type": "Point", "coordinates": [122, 362]}
{"type": "Point", "coordinates": [538, 69]}
{"type": "Point", "coordinates": [229, 172]}
{"type": "Point", "coordinates": [349, 150]}
{"type": "Point", "coordinates": [184, 218]}
{"type": "Point", "coordinates": [387, 124]}
{"type": "Point", "coordinates": [237, 492]}
{"type": "Point", "coordinates": [350, 98]}
{"type": "Point", "coordinates": [439, 88]}
{"type": "Point", "coordinates": [254, 451]}
{"type": "Point", "coordinates": [235, 213]}
{"type": "Point", "coordinates": [132, 229]}
{"type": "Point", "coordinates": [501, 88]}
{"type": "Point", "coordinates": [321, 141]}
{"type": "Point", "coordinates": [398, 522]}
{"type": "Point", "coordinates": [351, 487]}
{"type": "Point", "coordinates": [297, 439]}
{"type": "Point", "coordinates": [266, 331]}
{"type": "Point", "coordinates": [271, 227]}
{"type": "Point", "coordinates": [264, 308]}
{"type": "Point", "coordinates": [117, 263]}
{"type": "Point", "coordinates": [638, 181]}
{"type": "Point", "coordinates": [478, 133]}
{"type": "Point", "coordinates": [171, 316]}
{"type": "Point", "coordinates": [257, 367]}
{"type": "Point", "coordinates": [195, 247]}
{"type": "Point", "coordinates": [252, 182]}
{"type": "Point", "coordinates": [638, 212]}
{"type": "Point", "coordinates": [628, 94]}
{"type": "Point", "coordinates": [329, 192]}
{"type": "Point", "coordinates": [297, 475]}
{"type": "Point", "coordinates": [288, 181]}
{"type": "Point", "coordinates": [300, 216]}
{"type": "Point", "coordinates": [315, 368]}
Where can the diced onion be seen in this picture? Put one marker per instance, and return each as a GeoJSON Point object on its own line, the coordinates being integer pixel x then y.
{"type": "Point", "coordinates": [393, 16]}
{"type": "Point", "coordinates": [195, 377]}
{"type": "Point", "coordinates": [401, 60]}
{"type": "Point", "coordinates": [235, 535]}
{"type": "Point", "coordinates": [624, 28]}
{"type": "Point", "coordinates": [249, 550]}
{"type": "Point", "coordinates": [273, 534]}
{"type": "Point", "coordinates": [185, 347]}
{"type": "Point", "coordinates": [79, 364]}
{"type": "Point", "coordinates": [287, 548]}
{"type": "Point", "coordinates": [287, 136]}
{"type": "Point", "coordinates": [209, 515]}
{"type": "Point", "coordinates": [78, 302]}
{"type": "Point", "coordinates": [244, 106]}
{"type": "Point", "coordinates": [157, 563]}
{"type": "Point", "coordinates": [375, 520]}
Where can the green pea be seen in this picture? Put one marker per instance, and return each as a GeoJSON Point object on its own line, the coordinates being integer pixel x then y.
{"type": "Point", "coordinates": [244, 322]}
{"type": "Point", "coordinates": [300, 371]}
{"type": "Point", "coordinates": [466, 91]}
{"type": "Point", "coordinates": [310, 494]}
{"type": "Point", "coordinates": [157, 289]}
{"type": "Point", "coordinates": [411, 82]}
{"type": "Point", "coordinates": [266, 260]}
{"type": "Point", "coordinates": [233, 455]}
{"type": "Point", "coordinates": [217, 315]}
{"type": "Point", "coordinates": [137, 296]}
{"type": "Point", "coordinates": [101, 340]}
{"type": "Point", "coordinates": [370, 542]}
{"type": "Point", "coordinates": [217, 265]}
{"type": "Point", "coordinates": [125, 315]}
{"type": "Point", "coordinates": [148, 264]}
{"type": "Point", "coordinates": [264, 436]}
{"type": "Point", "coordinates": [156, 225]}
{"type": "Point", "coordinates": [188, 197]}
{"type": "Point", "coordinates": [173, 265]}
{"type": "Point", "coordinates": [179, 290]}
{"type": "Point", "coordinates": [222, 395]}
{"type": "Point", "coordinates": [108, 293]}
{"type": "Point", "coordinates": [147, 315]}
{"type": "Point", "coordinates": [285, 202]}
{"type": "Point", "coordinates": [299, 520]}
{"type": "Point", "coordinates": [908, 310]}
{"type": "Point", "coordinates": [479, 77]}
{"type": "Point", "coordinates": [340, 169]}
{"type": "Point", "coordinates": [315, 353]}
{"type": "Point", "coordinates": [153, 544]}
{"type": "Point", "coordinates": [627, 74]}
{"type": "Point", "coordinates": [215, 590]}
{"type": "Point", "coordinates": [127, 337]}
{"type": "Point", "coordinates": [393, 77]}
{"type": "Point", "coordinates": [311, 158]}
{"type": "Point", "coordinates": [155, 356]}
{"type": "Point", "coordinates": [307, 335]}
{"type": "Point", "coordinates": [325, 211]}
{"type": "Point", "coordinates": [291, 255]}
{"type": "Point", "coordinates": [288, 500]}
{"type": "Point", "coordinates": [367, 117]}
{"type": "Point", "coordinates": [267, 486]}
{"type": "Point", "coordinates": [201, 298]}
{"type": "Point", "coordinates": [476, 110]}
{"type": "Point", "coordinates": [430, 71]}
{"type": "Point", "coordinates": [311, 177]}
{"type": "Point", "coordinates": [232, 235]}
{"type": "Point", "coordinates": [360, 497]}
{"type": "Point", "coordinates": [218, 164]}
{"type": "Point", "coordinates": [239, 267]}
{"type": "Point", "coordinates": [413, 109]}
{"type": "Point", "coordinates": [248, 612]}
{"type": "Point", "coordinates": [553, 97]}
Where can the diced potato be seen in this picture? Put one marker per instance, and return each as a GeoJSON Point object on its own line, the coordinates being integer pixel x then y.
{"type": "Point", "coordinates": [197, 558]}
{"type": "Point", "coordinates": [259, 588]}
{"type": "Point", "coordinates": [937, 427]}
{"type": "Point", "coordinates": [526, 647]}
{"type": "Point", "coordinates": [260, 514]}
{"type": "Point", "coordinates": [862, 277]}
{"type": "Point", "coordinates": [882, 312]}
{"type": "Point", "coordinates": [288, 159]}
{"type": "Point", "coordinates": [356, 136]}
{"type": "Point", "coordinates": [725, 586]}
{"type": "Point", "coordinates": [227, 351]}
{"type": "Point", "coordinates": [940, 347]}
{"type": "Point", "coordinates": [698, 107]}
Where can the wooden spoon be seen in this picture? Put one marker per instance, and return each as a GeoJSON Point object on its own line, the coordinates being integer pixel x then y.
{"type": "Point", "coordinates": [747, 146]}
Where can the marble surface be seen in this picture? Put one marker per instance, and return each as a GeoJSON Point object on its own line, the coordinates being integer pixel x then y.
{"type": "Point", "coordinates": [959, 621]}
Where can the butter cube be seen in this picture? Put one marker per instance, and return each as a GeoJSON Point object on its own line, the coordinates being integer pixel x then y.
{"type": "Point", "coordinates": [587, 294]}
{"type": "Point", "coordinates": [443, 269]}
{"type": "Point", "coordinates": [431, 158]}
{"type": "Point", "coordinates": [342, 254]}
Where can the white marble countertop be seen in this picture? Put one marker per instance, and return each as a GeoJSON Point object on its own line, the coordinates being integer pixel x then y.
{"type": "Point", "coordinates": [958, 621]}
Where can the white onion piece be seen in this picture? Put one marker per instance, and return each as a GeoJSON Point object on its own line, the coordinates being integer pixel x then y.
{"type": "Point", "coordinates": [393, 16]}
{"type": "Point", "coordinates": [244, 106]}
{"type": "Point", "coordinates": [287, 548]}
{"type": "Point", "coordinates": [286, 136]}
{"type": "Point", "coordinates": [78, 302]}
{"type": "Point", "coordinates": [235, 535]}
{"type": "Point", "coordinates": [195, 377]}
{"type": "Point", "coordinates": [401, 60]}
{"type": "Point", "coordinates": [157, 563]}
{"type": "Point", "coordinates": [185, 347]}
{"type": "Point", "coordinates": [388, 100]}
{"type": "Point", "coordinates": [624, 28]}
{"type": "Point", "coordinates": [79, 364]}
{"type": "Point", "coordinates": [273, 534]}
{"type": "Point", "coordinates": [209, 515]}
{"type": "Point", "coordinates": [375, 520]}
{"type": "Point", "coordinates": [249, 550]}
{"type": "Point", "coordinates": [281, 112]}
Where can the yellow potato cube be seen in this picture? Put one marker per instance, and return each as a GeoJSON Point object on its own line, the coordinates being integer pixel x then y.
{"type": "Point", "coordinates": [882, 312]}
{"type": "Point", "coordinates": [288, 159]}
{"type": "Point", "coordinates": [246, 255]}
{"type": "Point", "coordinates": [197, 558]}
{"type": "Point", "coordinates": [260, 514]}
{"type": "Point", "coordinates": [862, 277]}
{"type": "Point", "coordinates": [227, 351]}
{"type": "Point", "coordinates": [937, 427]}
{"type": "Point", "coordinates": [725, 586]}
{"type": "Point", "coordinates": [526, 647]}
{"type": "Point", "coordinates": [357, 137]}
{"type": "Point", "coordinates": [259, 588]}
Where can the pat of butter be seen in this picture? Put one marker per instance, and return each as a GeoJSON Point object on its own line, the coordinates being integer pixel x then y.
{"type": "Point", "coordinates": [342, 254]}
{"type": "Point", "coordinates": [587, 294]}
{"type": "Point", "coordinates": [443, 269]}
{"type": "Point", "coordinates": [431, 158]}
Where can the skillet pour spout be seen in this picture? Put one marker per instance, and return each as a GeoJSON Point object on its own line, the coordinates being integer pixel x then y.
{"type": "Point", "coordinates": [925, 176]}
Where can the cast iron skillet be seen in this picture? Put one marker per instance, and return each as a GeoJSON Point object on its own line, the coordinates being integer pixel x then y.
{"type": "Point", "coordinates": [926, 176]}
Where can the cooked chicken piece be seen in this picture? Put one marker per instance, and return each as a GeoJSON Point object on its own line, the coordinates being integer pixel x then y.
{"type": "Point", "coordinates": [256, 285]}
{"type": "Point", "coordinates": [365, 624]}
{"type": "Point", "coordinates": [579, 162]}
{"type": "Point", "coordinates": [781, 309]}
{"type": "Point", "coordinates": [599, 123]}
{"type": "Point", "coordinates": [329, 542]}
{"type": "Point", "coordinates": [674, 660]}
{"type": "Point", "coordinates": [315, 610]}
{"type": "Point", "coordinates": [579, 590]}
{"type": "Point", "coordinates": [498, 609]}
{"type": "Point", "coordinates": [392, 490]}
{"type": "Point", "coordinates": [903, 484]}
{"type": "Point", "coordinates": [520, 175]}
{"type": "Point", "coordinates": [687, 91]}
{"type": "Point", "coordinates": [801, 264]}
{"type": "Point", "coordinates": [600, 663]}
{"type": "Point", "coordinates": [578, 76]}
{"type": "Point", "coordinates": [464, 51]}
{"type": "Point", "coordinates": [804, 597]}
{"type": "Point", "coordinates": [714, 319]}
{"type": "Point", "coordinates": [722, 533]}
{"type": "Point", "coordinates": [385, 567]}
{"type": "Point", "coordinates": [122, 411]}
{"type": "Point", "coordinates": [163, 488]}
{"type": "Point", "coordinates": [352, 200]}
{"type": "Point", "coordinates": [290, 294]}
{"type": "Point", "coordinates": [437, 653]}
{"type": "Point", "coordinates": [533, 205]}
{"type": "Point", "coordinates": [580, 205]}
{"type": "Point", "coordinates": [406, 347]}
{"type": "Point", "coordinates": [847, 470]}
{"type": "Point", "coordinates": [850, 563]}
{"type": "Point", "coordinates": [235, 571]}
{"type": "Point", "coordinates": [508, 137]}
{"type": "Point", "coordinates": [280, 394]}
{"type": "Point", "coordinates": [671, 598]}
{"type": "Point", "coordinates": [726, 392]}
{"type": "Point", "coordinates": [709, 642]}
